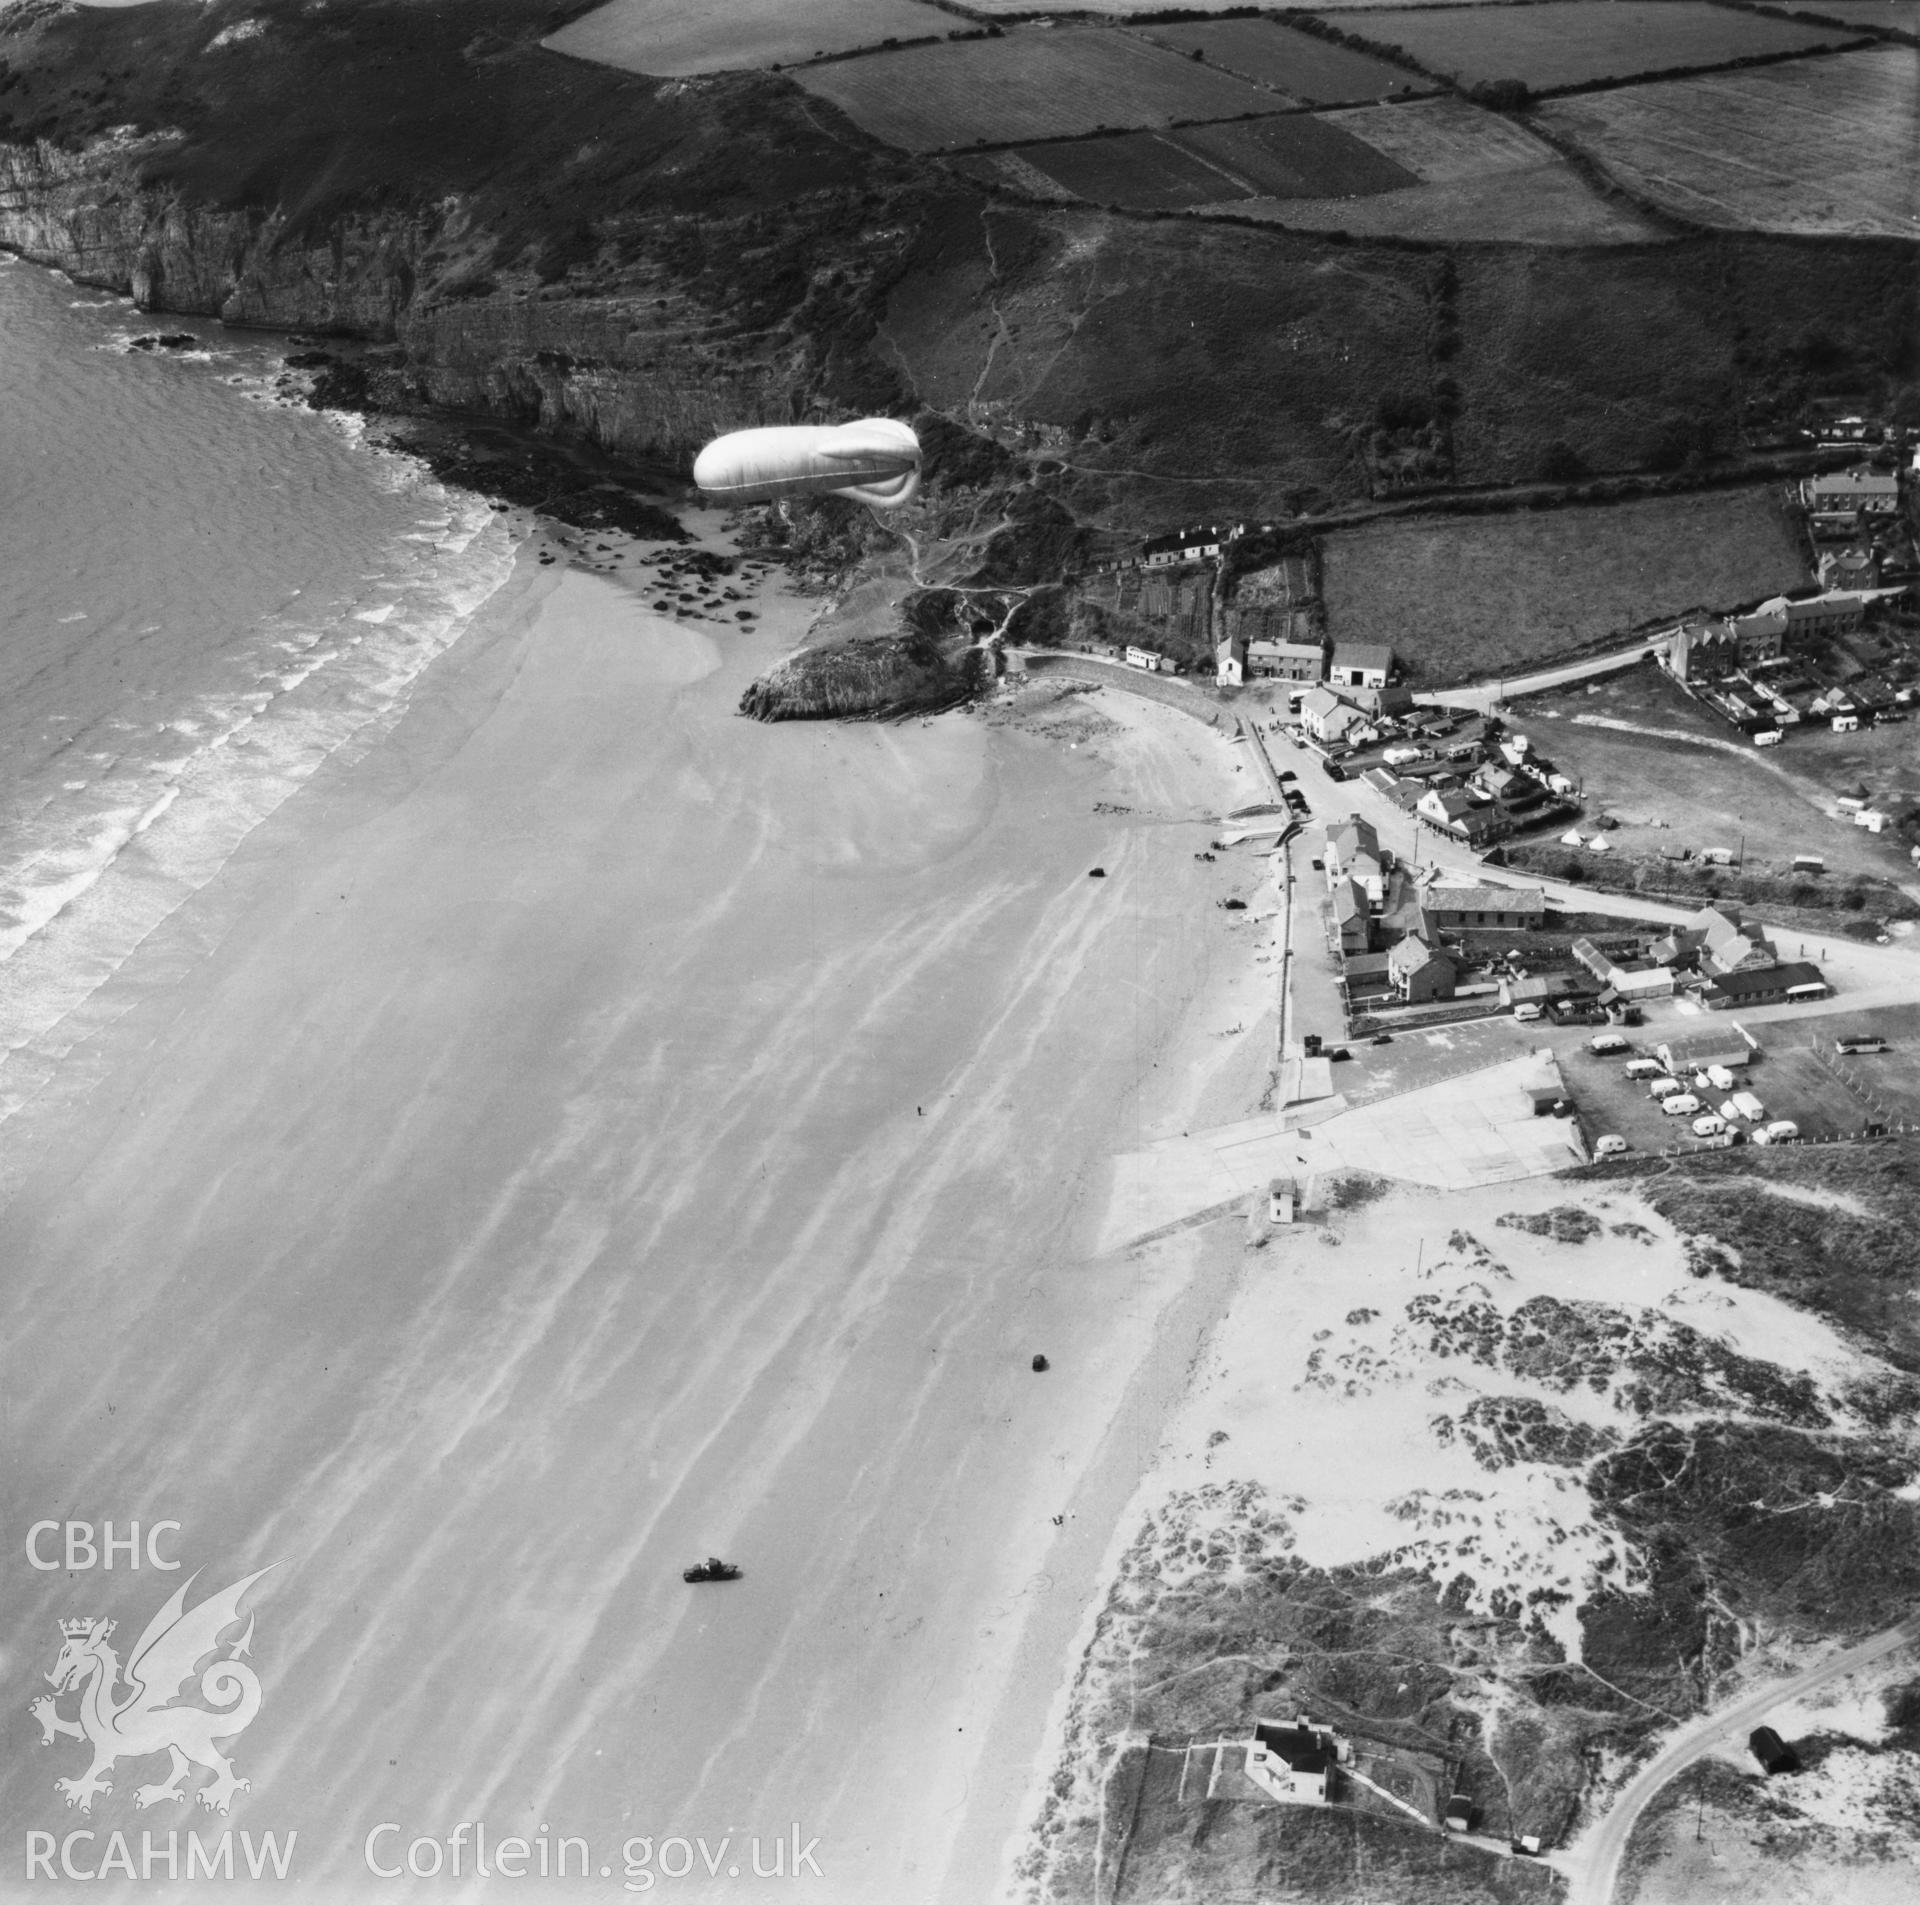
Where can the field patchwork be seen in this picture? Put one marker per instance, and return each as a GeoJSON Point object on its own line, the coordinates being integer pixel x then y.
{"type": "Point", "coordinates": [1300, 156]}
{"type": "Point", "coordinates": [1818, 147]}
{"type": "Point", "coordinates": [1027, 86]}
{"type": "Point", "coordinates": [1574, 43]}
{"type": "Point", "coordinates": [677, 38]}
{"type": "Point", "coordinates": [1469, 174]}
{"type": "Point", "coordinates": [1306, 69]}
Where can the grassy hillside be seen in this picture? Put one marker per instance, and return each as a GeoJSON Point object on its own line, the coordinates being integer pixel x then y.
{"type": "Point", "coordinates": [1145, 370]}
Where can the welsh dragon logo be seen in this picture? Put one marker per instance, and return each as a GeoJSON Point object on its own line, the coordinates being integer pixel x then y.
{"type": "Point", "coordinates": [142, 1720]}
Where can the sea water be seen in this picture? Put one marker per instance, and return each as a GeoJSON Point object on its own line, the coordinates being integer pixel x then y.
{"type": "Point", "coordinates": [206, 590]}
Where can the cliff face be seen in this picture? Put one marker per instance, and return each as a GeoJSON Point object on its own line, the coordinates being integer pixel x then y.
{"type": "Point", "coordinates": [645, 370]}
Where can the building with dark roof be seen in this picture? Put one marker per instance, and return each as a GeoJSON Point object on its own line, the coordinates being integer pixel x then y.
{"type": "Point", "coordinates": [1790, 984]}
{"type": "Point", "coordinates": [1293, 1761]}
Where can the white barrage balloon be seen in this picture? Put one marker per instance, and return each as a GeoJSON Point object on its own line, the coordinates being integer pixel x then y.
{"type": "Point", "coordinates": [876, 460]}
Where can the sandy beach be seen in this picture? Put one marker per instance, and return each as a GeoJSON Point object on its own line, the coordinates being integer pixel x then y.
{"type": "Point", "coordinates": [584, 1131]}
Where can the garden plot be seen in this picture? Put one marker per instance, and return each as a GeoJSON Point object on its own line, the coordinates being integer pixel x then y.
{"type": "Point", "coordinates": [1144, 171]}
{"type": "Point", "coordinates": [1818, 147]}
{"type": "Point", "coordinates": [1575, 43]}
{"type": "Point", "coordinates": [1025, 87]}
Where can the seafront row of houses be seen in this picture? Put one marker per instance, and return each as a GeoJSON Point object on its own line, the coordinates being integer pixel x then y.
{"type": "Point", "coordinates": [1407, 937]}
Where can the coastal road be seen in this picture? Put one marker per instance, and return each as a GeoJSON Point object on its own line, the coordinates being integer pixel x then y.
{"type": "Point", "coordinates": [1486, 695]}
{"type": "Point", "coordinates": [1593, 1867]}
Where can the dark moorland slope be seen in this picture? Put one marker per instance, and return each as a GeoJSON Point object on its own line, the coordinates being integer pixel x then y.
{"type": "Point", "coordinates": [640, 262]}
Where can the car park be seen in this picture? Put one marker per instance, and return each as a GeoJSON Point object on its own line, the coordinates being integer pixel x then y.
{"type": "Point", "coordinates": [1682, 1105]}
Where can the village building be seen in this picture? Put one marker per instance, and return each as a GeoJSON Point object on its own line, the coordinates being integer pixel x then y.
{"type": "Point", "coordinates": [1201, 544]}
{"type": "Point", "coordinates": [1330, 720]}
{"type": "Point", "coordinates": [1732, 1050]}
{"type": "Point", "coordinates": [1360, 665]}
{"type": "Point", "coordinates": [1774, 985]}
{"type": "Point", "coordinates": [1286, 661]}
{"type": "Point", "coordinates": [1418, 973]}
{"type": "Point", "coordinates": [1456, 908]}
{"type": "Point", "coordinates": [1628, 978]}
{"type": "Point", "coordinates": [1352, 918]}
{"type": "Point", "coordinates": [1293, 1762]}
{"type": "Point", "coordinates": [1868, 492]}
{"type": "Point", "coordinates": [1458, 815]}
{"type": "Point", "coordinates": [1354, 853]}
{"type": "Point", "coordinates": [1230, 660]}
{"type": "Point", "coordinates": [1841, 569]}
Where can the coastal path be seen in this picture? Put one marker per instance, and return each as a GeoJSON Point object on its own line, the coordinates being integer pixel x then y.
{"type": "Point", "coordinates": [1593, 1866]}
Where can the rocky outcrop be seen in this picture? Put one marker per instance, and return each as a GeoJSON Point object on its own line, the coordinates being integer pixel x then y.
{"type": "Point", "coordinates": [881, 677]}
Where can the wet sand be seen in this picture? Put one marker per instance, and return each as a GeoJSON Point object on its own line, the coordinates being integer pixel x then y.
{"type": "Point", "coordinates": [586, 1132]}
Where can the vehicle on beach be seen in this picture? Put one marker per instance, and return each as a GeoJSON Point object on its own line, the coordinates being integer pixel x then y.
{"type": "Point", "coordinates": [711, 1569]}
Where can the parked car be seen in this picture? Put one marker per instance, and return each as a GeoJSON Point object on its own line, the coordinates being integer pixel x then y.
{"type": "Point", "coordinates": [1664, 1087]}
{"type": "Point", "coordinates": [1709, 1126]}
{"type": "Point", "coordinates": [1604, 1042]}
{"type": "Point", "coordinates": [1681, 1105]}
{"type": "Point", "coordinates": [1611, 1146]}
{"type": "Point", "coordinates": [1381, 1038]}
{"type": "Point", "coordinates": [1526, 1012]}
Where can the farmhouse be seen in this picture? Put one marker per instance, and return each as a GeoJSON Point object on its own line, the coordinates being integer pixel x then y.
{"type": "Point", "coordinates": [1459, 907]}
{"type": "Point", "coordinates": [1360, 665]}
{"type": "Point", "coordinates": [1776, 985]}
{"type": "Point", "coordinates": [1293, 1762]}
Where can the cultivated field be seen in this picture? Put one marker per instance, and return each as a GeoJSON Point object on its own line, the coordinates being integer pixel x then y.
{"type": "Point", "coordinates": [1463, 598]}
{"type": "Point", "coordinates": [1471, 175]}
{"type": "Point", "coordinates": [1890, 16]}
{"type": "Point", "coordinates": [1308, 70]}
{"type": "Point", "coordinates": [1817, 147]}
{"type": "Point", "coordinates": [1574, 42]}
{"type": "Point", "coordinates": [677, 37]}
{"type": "Point", "coordinates": [1144, 171]}
{"type": "Point", "coordinates": [1027, 86]}
{"type": "Point", "coordinates": [1298, 155]}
